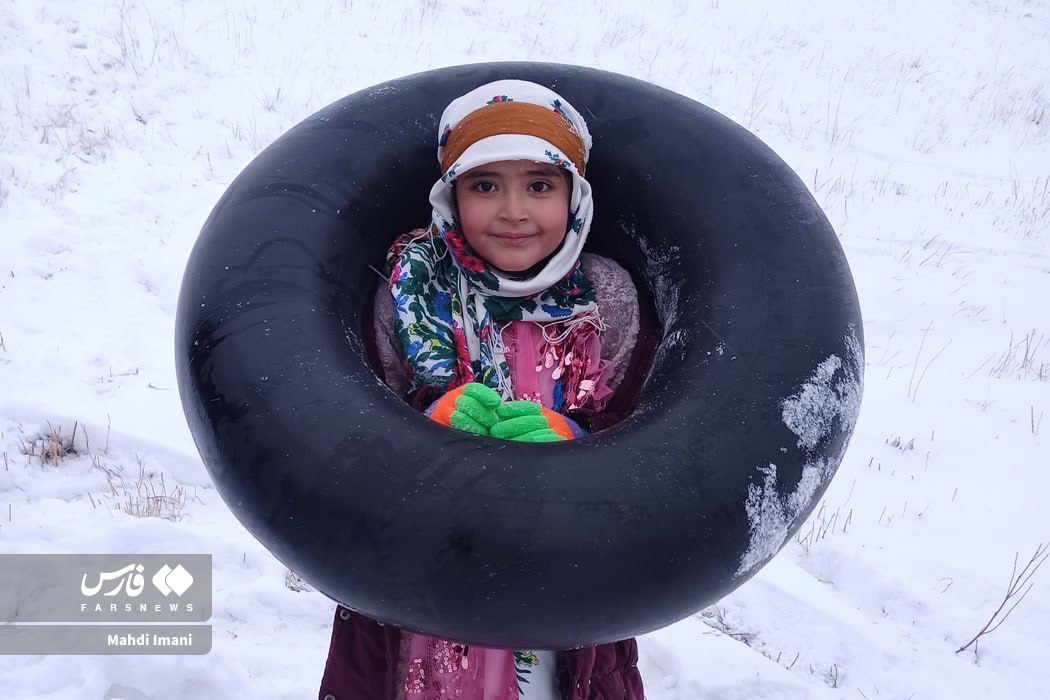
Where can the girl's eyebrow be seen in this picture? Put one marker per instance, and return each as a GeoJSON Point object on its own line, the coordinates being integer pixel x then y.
{"type": "Point", "coordinates": [473, 174]}
{"type": "Point", "coordinates": [540, 171]}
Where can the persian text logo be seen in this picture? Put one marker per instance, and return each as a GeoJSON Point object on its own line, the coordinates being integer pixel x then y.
{"type": "Point", "coordinates": [130, 580]}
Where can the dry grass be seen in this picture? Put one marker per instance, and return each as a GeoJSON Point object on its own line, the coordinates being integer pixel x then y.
{"type": "Point", "coordinates": [67, 129]}
{"type": "Point", "coordinates": [1020, 360]}
{"type": "Point", "coordinates": [51, 447]}
{"type": "Point", "coordinates": [1020, 585]}
{"type": "Point", "coordinates": [146, 496]}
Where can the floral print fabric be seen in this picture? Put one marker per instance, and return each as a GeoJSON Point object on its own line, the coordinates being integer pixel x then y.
{"type": "Point", "coordinates": [449, 327]}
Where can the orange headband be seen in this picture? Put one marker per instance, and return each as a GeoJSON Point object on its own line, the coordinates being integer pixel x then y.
{"type": "Point", "coordinates": [514, 118]}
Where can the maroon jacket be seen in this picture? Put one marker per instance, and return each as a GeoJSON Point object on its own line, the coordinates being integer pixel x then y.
{"type": "Point", "coordinates": [363, 656]}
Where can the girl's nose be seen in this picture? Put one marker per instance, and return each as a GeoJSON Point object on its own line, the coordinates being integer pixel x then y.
{"type": "Point", "coordinates": [512, 206]}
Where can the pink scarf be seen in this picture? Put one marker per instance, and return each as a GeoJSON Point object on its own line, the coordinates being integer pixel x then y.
{"type": "Point", "coordinates": [536, 364]}
{"type": "Point", "coordinates": [438, 669]}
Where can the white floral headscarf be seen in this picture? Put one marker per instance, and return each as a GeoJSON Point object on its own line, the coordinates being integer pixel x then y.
{"type": "Point", "coordinates": [517, 147]}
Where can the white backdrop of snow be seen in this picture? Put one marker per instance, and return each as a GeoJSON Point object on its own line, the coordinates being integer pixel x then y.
{"type": "Point", "coordinates": [921, 129]}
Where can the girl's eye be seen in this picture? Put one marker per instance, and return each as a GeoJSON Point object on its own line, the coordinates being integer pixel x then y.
{"type": "Point", "coordinates": [540, 186]}
{"type": "Point", "coordinates": [484, 186]}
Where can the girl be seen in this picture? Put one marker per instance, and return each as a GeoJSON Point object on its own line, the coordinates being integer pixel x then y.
{"type": "Point", "coordinates": [499, 324]}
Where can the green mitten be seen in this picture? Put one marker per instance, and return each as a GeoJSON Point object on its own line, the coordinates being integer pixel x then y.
{"type": "Point", "coordinates": [525, 421]}
{"type": "Point", "coordinates": [469, 407]}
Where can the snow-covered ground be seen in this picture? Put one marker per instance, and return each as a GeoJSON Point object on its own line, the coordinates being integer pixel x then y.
{"type": "Point", "coordinates": [923, 129]}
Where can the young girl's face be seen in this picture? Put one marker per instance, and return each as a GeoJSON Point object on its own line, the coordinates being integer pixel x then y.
{"type": "Point", "coordinates": [514, 213]}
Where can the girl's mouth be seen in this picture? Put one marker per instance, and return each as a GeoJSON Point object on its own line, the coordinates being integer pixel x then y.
{"type": "Point", "coordinates": [513, 238]}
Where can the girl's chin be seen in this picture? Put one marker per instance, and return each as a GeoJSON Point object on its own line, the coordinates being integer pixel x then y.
{"type": "Point", "coordinates": [515, 260]}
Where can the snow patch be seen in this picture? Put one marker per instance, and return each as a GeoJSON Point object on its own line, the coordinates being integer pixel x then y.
{"type": "Point", "coordinates": [773, 518]}
{"type": "Point", "coordinates": [824, 402]}
{"type": "Point", "coordinates": [827, 404]}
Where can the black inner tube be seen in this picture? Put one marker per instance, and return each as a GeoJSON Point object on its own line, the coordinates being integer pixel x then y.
{"type": "Point", "coordinates": [500, 543]}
